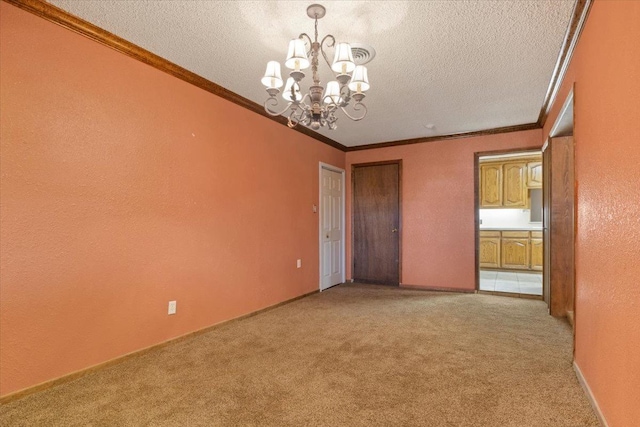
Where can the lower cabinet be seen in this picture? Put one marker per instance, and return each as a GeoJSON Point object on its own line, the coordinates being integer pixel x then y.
{"type": "Point", "coordinates": [490, 249]}
{"type": "Point", "coordinates": [513, 250]}
{"type": "Point", "coordinates": [536, 250]}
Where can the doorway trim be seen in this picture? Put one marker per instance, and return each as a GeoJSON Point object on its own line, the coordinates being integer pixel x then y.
{"type": "Point", "coordinates": [343, 263]}
{"type": "Point", "coordinates": [563, 125]}
{"type": "Point", "coordinates": [400, 227]}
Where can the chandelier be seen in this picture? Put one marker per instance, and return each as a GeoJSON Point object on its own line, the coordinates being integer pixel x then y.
{"type": "Point", "coordinates": [317, 107]}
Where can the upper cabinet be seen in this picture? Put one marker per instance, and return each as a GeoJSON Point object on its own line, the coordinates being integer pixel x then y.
{"type": "Point", "coordinates": [491, 185]}
{"type": "Point", "coordinates": [534, 174]}
{"type": "Point", "coordinates": [515, 185]}
{"type": "Point", "coordinates": [505, 183]}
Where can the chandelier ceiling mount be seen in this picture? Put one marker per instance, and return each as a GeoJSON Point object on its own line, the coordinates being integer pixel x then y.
{"type": "Point", "coordinates": [316, 11]}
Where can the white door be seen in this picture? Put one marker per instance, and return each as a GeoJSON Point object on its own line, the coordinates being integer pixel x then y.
{"type": "Point", "coordinates": [331, 228]}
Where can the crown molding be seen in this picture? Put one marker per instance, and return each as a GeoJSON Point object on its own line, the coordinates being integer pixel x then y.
{"type": "Point", "coordinates": [576, 24]}
{"type": "Point", "coordinates": [494, 131]}
{"type": "Point", "coordinates": [71, 22]}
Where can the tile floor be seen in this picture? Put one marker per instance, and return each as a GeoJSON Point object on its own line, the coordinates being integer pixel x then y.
{"type": "Point", "coordinates": [511, 281]}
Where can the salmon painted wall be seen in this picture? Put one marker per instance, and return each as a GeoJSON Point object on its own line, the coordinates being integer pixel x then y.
{"type": "Point", "coordinates": [123, 188]}
{"type": "Point", "coordinates": [606, 71]}
{"type": "Point", "coordinates": [438, 216]}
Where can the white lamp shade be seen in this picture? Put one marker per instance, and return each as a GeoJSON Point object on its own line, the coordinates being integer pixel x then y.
{"type": "Point", "coordinates": [286, 94]}
{"type": "Point", "coordinates": [272, 78]}
{"type": "Point", "coordinates": [343, 60]}
{"type": "Point", "coordinates": [332, 93]}
{"type": "Point", "coordinates": [297, 55]}
{"type": "Point", "coordinates": [359, 79]}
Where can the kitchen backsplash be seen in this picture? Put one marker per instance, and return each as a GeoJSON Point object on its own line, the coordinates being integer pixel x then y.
{"type": "Point", "coordinates": [508, 218]}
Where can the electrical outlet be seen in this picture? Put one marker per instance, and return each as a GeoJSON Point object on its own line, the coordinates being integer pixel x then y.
{"type": "Point", "coordinates": [299, 263]}
{"type": "Point", "coordinates": [172, 307]}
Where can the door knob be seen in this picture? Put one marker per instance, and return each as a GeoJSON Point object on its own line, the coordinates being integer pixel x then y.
{"type": "Point", "coordinates": [327, 236]}
{"type": "Point", "coordinates": [395, 230]}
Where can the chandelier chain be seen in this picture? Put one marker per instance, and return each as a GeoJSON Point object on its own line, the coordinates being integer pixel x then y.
{"type": "Point", "coordinates": [316, 28]}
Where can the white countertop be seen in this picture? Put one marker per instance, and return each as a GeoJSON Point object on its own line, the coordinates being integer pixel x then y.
{"type": "Point", "coordinates": [529, 228]}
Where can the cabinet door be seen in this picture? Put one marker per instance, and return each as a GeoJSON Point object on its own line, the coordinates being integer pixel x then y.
{"type": "Point", "coordinates": [534, 174]}
{"type": "Point", "coordinates": [515, 250]}
{"type": "Point", "coordinates": [490, 251]}
{"type": "Point", "coordinates": [515, 185]}
{"type": "Point", "coordinates": [536, 253]}
{"type": "Point", "coordinates": [490, 185]}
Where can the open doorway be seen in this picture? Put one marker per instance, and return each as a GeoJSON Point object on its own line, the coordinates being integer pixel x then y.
{"type": "Point", "coordinates": [509, 213]}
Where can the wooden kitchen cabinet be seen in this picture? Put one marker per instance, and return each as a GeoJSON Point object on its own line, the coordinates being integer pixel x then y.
{"type": "Point", "coordinates": [515, 185]}
{"type": "Point", "coordinates": [491, 185]}
{"type": "Point", "coordinates": [534, 174]}
{"type": "Point", "coordinates": [490, 249]}
{"type": "Point", "coordinates": [511, 250]}
{"type": "Point", "coordinates": [536, 250]}
{"type": "Point", "coordinates": [506, 183]}
{"type": "Point", "coordinates": [515, 250]}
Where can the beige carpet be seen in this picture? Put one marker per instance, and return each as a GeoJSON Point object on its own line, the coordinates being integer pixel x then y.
{"type": "Point", "coordinates": [355, 355]}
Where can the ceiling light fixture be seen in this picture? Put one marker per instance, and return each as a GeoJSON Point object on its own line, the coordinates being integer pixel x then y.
{"type": "Point", "coordinates": [317, 108]}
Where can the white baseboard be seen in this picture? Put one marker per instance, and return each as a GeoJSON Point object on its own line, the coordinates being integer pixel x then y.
{"type": "Point", "coordinates": [587, 391]}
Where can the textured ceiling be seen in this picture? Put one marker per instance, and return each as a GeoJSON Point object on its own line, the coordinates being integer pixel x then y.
{"type": "Point", "coordinates": [458, 65]}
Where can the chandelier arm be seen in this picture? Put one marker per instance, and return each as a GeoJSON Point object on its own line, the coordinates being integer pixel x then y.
{"type": "Point", "coordinates": [331, 121]}
{"type": "Point", "coordinates": [274, 102]}
{"type": "Point", "coordinates": [332, 44]}
{"type": "Point", "coordinates": [302, 115]}
{"type": "Point", "coordinates": [293, 120]}
{"type": "Point", "coordinates": [345, 94]}
{"type": "Point", "coordinates": [306, 120]}
{"type": "Point", "coordinates": [330, 108]}
{"type": "Point", "coordinates": [356, 107]}
{"type": "Point", "coordinates": [302, 103]}
{"type": "Point", "coordinates": [305, 35]}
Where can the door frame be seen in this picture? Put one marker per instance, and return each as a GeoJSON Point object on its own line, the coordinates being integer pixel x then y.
{"type": "Point", "coordinates": [476, 197]}
{"type": "Point", "coordinates": [343, 237]}
{"type": "Point", "coordinates": [565, 126]}
{"type": "Point", "coordinates": [400, 228]}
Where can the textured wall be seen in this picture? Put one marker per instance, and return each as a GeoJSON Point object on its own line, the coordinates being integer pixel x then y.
{"type": "Point", "coordinates": [124, 188]}
{"type": "Point", "coordinates": [606, 72]}
{"type": "Point", "coordinates": [438, 245]}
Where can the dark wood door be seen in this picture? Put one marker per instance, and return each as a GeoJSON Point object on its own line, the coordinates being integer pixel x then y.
{"type": "Point", "coordinates": [558, 225]}
{"type": "Point", "coordinates": [376, 223]}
